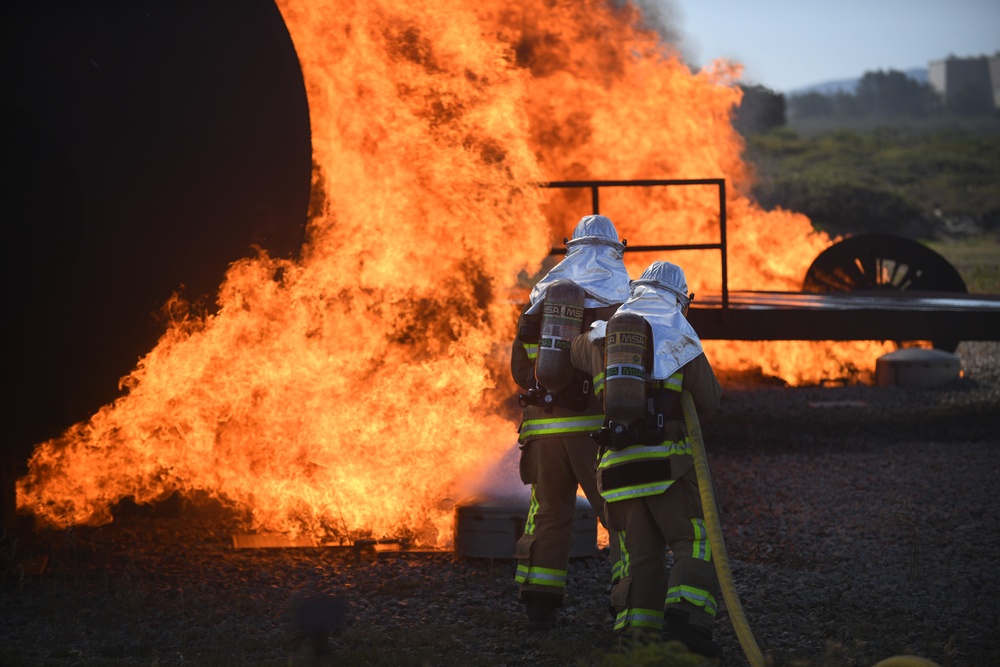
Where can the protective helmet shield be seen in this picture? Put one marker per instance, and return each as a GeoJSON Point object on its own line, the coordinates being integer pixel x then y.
{"type": "Point", "coordinates": [660, 296]}
{"type": "Point", "coordinates": [593, 261]}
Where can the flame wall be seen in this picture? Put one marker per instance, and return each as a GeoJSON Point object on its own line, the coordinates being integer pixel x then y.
{"type": "Point", "coordinates": [352, 391]}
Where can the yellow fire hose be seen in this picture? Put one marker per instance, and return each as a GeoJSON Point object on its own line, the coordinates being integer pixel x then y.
{"type": "Point", "coordinates": [711, 511]}
{"type": "Point", "coordinates": [721, 560]}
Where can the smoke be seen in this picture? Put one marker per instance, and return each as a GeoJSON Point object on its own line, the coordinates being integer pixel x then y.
{"type": "Point", "coordinates": [500, 480]}
{"type": "Point", "coordinates": [667, 19]}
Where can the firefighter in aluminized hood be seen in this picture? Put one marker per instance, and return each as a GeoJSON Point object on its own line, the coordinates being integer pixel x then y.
{"type": "Point", "coordinates": [646, 470]}
{"type": "Point", "coordinates": [557, 453]}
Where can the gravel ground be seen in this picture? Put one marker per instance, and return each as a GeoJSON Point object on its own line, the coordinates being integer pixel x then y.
{"type": "Point", "coordinates": [860, 523]}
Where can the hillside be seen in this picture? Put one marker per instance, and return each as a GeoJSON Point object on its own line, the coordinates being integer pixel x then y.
{"type": "Point", "coordinates": [926, 181]}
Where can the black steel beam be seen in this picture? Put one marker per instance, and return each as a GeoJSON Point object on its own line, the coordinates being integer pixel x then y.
{"type": "Point", "coordinates": [886, 315]}
{"type": "Point", "coordinates": [736, 324]}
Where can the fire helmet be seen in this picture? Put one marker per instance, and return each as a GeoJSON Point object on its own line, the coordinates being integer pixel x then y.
{"type": "Point", "coordinates": [595, 229]}
{"type": "Point", "coordinates": [665, 276]}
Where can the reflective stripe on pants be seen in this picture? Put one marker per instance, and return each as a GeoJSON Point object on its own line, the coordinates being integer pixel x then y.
{"type": "Point", "coordinates": [555, 467]}
{"type": "Point", "coordinates": [647, 526]}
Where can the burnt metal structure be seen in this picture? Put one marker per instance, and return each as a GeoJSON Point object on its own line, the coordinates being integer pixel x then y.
{"type": "Point", "coordinates": [865, 289]}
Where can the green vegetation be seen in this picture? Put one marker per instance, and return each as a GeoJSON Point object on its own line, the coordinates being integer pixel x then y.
{"type": "Point", "coordinates": [977, 259]}
{"type": "Point", "coordinates": [918, 181]}
{"type": "Point", "coordinates": [665, 654]}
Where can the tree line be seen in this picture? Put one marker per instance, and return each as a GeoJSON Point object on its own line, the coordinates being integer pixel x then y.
{"type": "Point", "coordinates": [878, 94]}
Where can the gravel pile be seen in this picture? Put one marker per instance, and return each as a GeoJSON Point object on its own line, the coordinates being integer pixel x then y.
{"type": "Point", "coordinates": [860, 523]}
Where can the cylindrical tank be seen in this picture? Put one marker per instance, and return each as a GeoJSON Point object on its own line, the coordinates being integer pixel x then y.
{"type": "Point", "coordinates": [562, 321]}
{"type": "Point", "coordinates": [628, 360]}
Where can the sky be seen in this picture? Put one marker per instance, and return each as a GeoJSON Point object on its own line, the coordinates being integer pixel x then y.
{"type": "Point", "coordinates": [791, 44]}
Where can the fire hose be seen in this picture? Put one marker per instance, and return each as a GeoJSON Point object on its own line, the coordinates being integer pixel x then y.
{"type": "Point", "coordinates": [719, 557]}
{"type": "Point", "coordinates": [721, 560]}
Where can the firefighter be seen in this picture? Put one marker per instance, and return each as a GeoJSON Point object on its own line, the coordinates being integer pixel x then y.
{"type": "Point", "coordinates": [557, 454]}
{"type": "Point", "coordinates": [646, 470]}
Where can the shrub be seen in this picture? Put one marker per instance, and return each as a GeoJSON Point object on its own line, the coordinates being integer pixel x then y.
{"type": "Point", "coordinates": [842, 205]}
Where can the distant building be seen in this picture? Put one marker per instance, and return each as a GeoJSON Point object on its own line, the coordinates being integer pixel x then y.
{"type": "Point", "coordinates": [967, 84]}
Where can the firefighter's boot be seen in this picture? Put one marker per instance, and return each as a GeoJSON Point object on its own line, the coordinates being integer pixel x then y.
{"type": "Point", "coordinates": [632, 638]}
{"type": "Point", "coordinates": [541, 610]}
{"type": "Point", "coordinates": [696, 638]}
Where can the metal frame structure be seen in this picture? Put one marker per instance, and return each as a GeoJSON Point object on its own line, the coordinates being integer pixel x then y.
{"type": "Point", "coordinates": [878, 314]}
{"type": "Point", "coordinates": [720, 183]}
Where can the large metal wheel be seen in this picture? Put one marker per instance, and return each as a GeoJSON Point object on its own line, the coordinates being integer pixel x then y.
{"type": "Point", "coordinates": [883, 262]}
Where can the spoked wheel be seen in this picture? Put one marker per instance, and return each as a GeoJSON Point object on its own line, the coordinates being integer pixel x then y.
{"type": "Point", "coordinates": [883, 261]}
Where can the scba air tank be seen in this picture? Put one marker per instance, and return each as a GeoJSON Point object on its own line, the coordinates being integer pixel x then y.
{"type": "Point", "coordinates": [628, 356]}
{"type": "Point", "coordinates": [562, 321]}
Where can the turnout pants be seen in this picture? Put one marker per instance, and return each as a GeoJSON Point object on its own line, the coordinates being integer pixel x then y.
{"type": "Point", "coordinates": [555, 466]}
{"type": "Point", "coordinates": [646, 527]}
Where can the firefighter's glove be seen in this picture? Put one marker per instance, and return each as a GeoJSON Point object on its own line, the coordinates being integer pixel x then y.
{"type": "Point", "coordinates": [597, 331]}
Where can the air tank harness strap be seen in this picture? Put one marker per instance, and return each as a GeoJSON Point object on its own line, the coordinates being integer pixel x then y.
{"type": "Point", "coordinates": [664, 404]}
{"type": "Point", "coordinates": [614, 436]}
{"type": "Point", "coordinates": [575, 397]}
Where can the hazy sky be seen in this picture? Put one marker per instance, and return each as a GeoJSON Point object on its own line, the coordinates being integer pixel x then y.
{"type": "Point", "coordinates": [789, 44]}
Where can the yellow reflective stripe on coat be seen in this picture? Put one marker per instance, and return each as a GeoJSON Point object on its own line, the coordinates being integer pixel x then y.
{"type": "Point", "coordinates": [696, 596]}
{"type": "Point", "coordinates": [599, 383]}
{"type": "Point", "coordinates": [637, 491]}
{"type": "Point", "coordinates": [614, 457]}
{"type": "Point", "coordinates": [644, 453]}
{"type": "Point", "coordinates": [540, 576]}
{"type": "Point", "coordinates": [555, 425]}
{"type": "Point", "coordinates": [531, 349]}
{"type": "Point", "coordinates": [674, 383]}
{"type": "Point", "coordinates": [639, 618]}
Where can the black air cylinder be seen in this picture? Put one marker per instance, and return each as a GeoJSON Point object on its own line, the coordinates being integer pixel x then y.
{"type": "Point", "coordinates": [628, 357]}
{"type": "Point", "coordinates": [562, 321]}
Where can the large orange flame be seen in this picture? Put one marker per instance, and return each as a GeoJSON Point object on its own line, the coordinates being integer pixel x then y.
{"type": "Point", "coordinates": [352, 391]}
